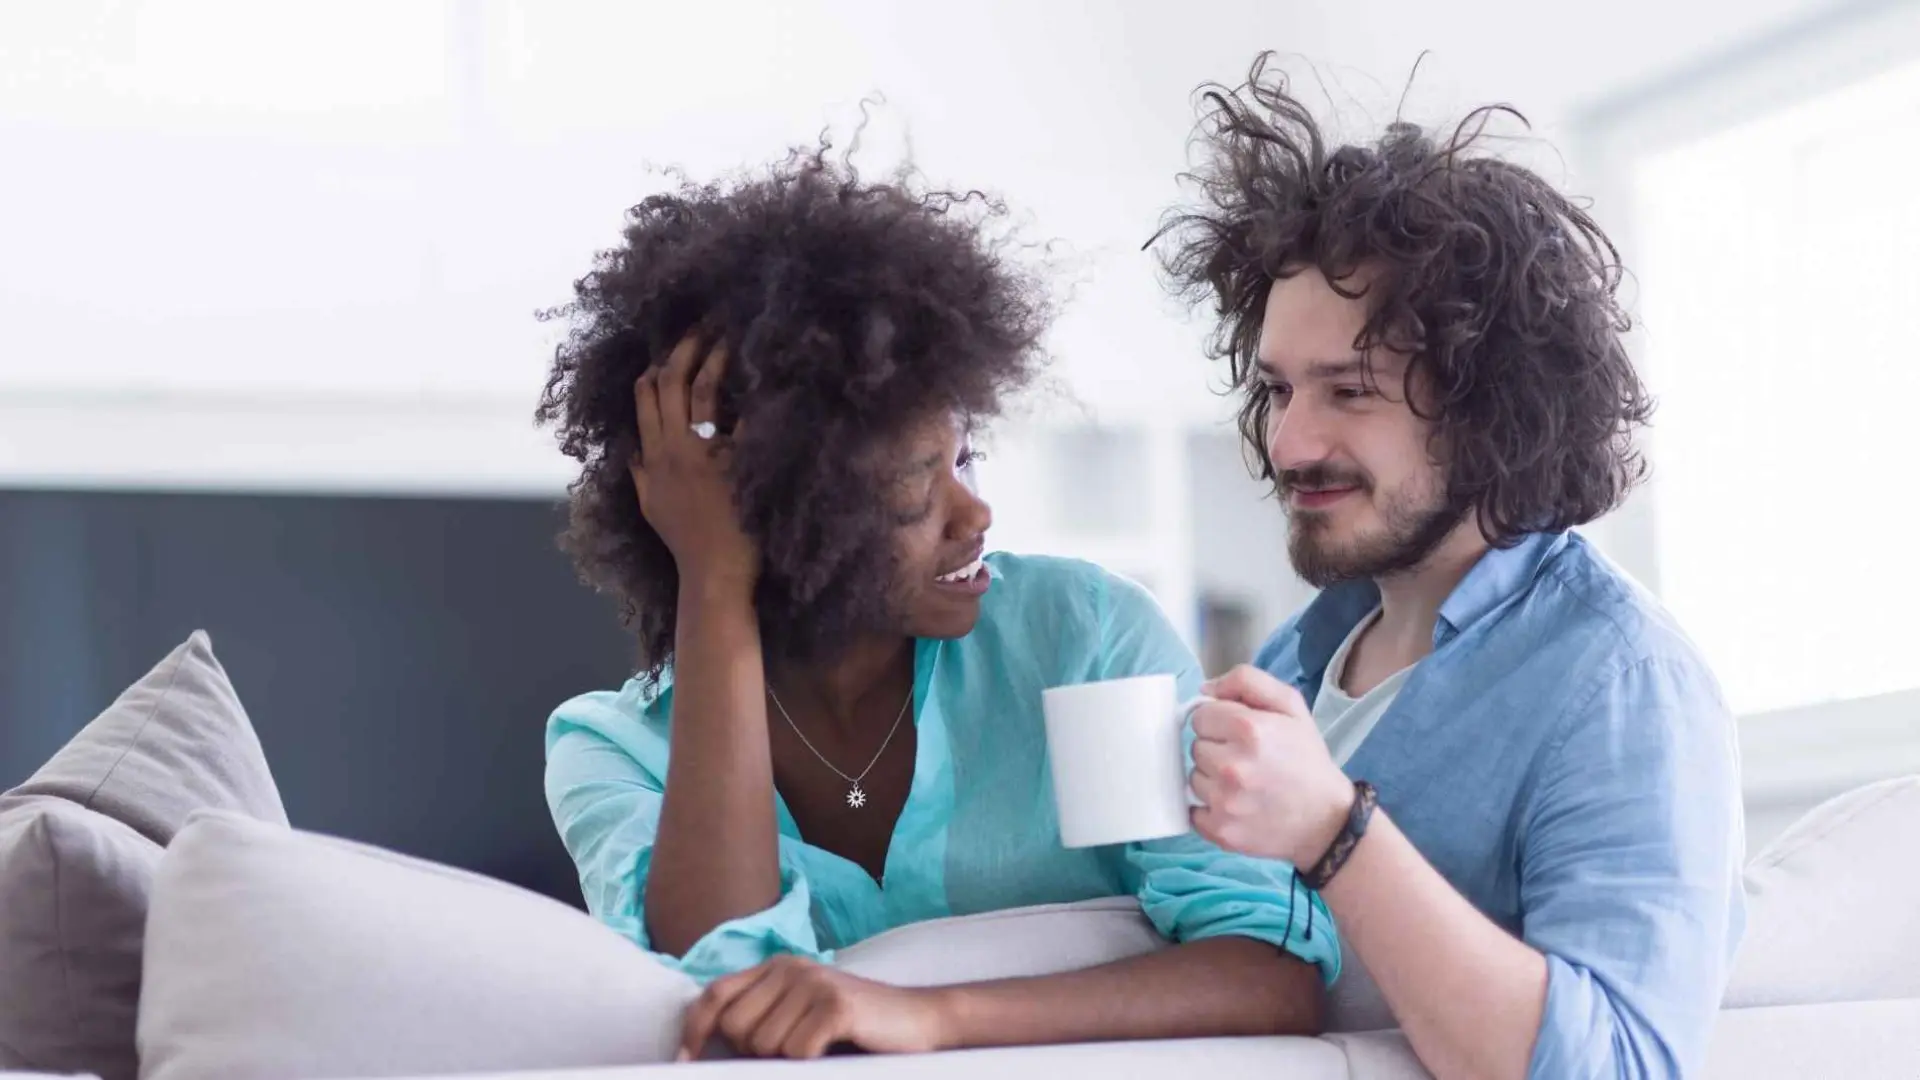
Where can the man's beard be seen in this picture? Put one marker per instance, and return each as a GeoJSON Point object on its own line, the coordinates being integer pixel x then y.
{"type": "Point", "coordinates": [1415, 527]}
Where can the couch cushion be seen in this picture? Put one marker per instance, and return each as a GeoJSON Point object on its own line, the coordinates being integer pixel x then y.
{"type": "Point", "coordinates": [174, 742]}
{"type": "Point", "coordinates": [1043, 940]}
{"type": "Point", "coordinates": [1832, 903]}
{"type": "Point", "coordinates": [276, 955]}
{"type": "Point", "coordinates": [73, 900]}
{"type": "Point", "coordinates": [1380, 1055]}
{"type": "Point", "coordinates": [79, 842]}
{"type": "Point", "coordinates": [1861, 1040]}
{"type": "Point", "coordinates": [1261, 1058]}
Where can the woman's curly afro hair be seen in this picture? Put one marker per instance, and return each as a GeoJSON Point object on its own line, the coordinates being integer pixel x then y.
{"type": "Point", "coordinates": [1500, 288]}
{"type": "Point", "coordinates": [850, 310]}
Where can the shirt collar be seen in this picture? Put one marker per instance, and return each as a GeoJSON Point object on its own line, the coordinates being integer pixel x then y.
{"type": "Point", "coordinates": [1498, 576]}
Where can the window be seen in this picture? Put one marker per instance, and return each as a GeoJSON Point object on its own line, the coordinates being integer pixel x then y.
{"type": "Point", "coordinates": [1779, 266]}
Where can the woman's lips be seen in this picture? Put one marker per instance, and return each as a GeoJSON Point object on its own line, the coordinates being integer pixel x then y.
{"type": "Point", "coordinates": [969, 580]}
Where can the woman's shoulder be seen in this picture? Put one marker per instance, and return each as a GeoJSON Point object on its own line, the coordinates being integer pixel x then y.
{"type": "Point", "coordinates": [632, 717]}
{"type": "Point", "coordinates": [1058, 573]}
{"type": "Point", "coordinates": [1060, 585]}
{"type": "Point", "coordinates": [1076, 620]}
{"type": "Point", "coordinates": [1062, 612]}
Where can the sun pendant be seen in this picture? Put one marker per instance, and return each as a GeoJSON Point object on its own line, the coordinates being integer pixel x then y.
{"type": "Point", "coordinates": [855, 797]}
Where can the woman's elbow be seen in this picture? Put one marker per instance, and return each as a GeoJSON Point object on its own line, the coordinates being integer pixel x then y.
{"type": "Point", "coordinates": [1272, 992]}
{"type": "Point", "coordinates": [1298, 1005]}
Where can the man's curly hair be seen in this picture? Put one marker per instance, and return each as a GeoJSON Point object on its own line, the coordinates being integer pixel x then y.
{"type": "Point", "coordinates": [1500, 289]}
{"type": "Point", "coordinates": [850, 310]}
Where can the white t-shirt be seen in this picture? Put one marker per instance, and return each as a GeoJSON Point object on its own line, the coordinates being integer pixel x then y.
{"type": "Point", "coordinates": [1345, 721]}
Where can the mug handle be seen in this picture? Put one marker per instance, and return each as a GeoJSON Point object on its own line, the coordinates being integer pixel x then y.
{"type": "Point", "coordinates": [1185, 712]}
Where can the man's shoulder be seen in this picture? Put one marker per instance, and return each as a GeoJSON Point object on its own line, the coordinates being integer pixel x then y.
{"type": "Point", "coordinates": [1629, 681]}
{"type": "Point", "coordinates": [1582, 599]}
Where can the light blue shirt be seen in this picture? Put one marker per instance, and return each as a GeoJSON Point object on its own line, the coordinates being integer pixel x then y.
{"type": "Point", "coordinates": [979, 831]}
{"type": "Point", "coordinates": [1565, 759]}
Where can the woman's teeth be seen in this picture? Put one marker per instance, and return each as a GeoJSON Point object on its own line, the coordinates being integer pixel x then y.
{"type": "Point", "coordinates": [965, 573]}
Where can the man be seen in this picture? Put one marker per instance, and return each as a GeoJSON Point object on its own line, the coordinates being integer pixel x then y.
{"type": "Point", "coordinates": [1429, 344]}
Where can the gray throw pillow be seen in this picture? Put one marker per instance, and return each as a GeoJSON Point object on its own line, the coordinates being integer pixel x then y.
{"type": "Point", "coordinates": [274, 954]}
{"type": "Point", "coordinates": [79, 845]}
{"type": "Point", "coordinates": [174, 742]}
{"type": "Point", "coordinates": [73, 905]}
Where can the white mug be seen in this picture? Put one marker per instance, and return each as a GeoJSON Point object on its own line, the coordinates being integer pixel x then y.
{"type": "Point", "coordinates": [1117, 750]}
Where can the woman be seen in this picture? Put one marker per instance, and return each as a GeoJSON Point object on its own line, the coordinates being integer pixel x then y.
{"type": "Point", "coordinates": [837, 729]}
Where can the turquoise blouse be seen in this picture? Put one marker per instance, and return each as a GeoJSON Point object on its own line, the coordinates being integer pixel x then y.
{"type": "Point", "coordinates": [979, 830]}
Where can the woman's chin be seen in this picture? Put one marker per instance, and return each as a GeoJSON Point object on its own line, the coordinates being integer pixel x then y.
{"type": "Point", "coordinates": [956, 619]}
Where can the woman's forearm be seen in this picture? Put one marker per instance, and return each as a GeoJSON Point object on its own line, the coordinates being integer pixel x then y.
{"type": "Point", "coordinates": [716, 856]}
{"type": "Point", "coordinates": [1220, 986]}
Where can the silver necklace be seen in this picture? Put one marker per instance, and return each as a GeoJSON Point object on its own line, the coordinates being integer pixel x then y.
{"type": "Point", "coordinates": [856, 798]}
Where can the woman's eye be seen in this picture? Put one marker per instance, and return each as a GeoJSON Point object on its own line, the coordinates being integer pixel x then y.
{"type": "Point", "coordinates": [1279, 390]}
{"type": "Point", "coordinates": [969, 459]}
{"type": "Point", "coordinates": [1352, 393]}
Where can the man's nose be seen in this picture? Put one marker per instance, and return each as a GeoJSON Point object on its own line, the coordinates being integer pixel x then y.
{"type": "Point", "coordinates": [1296, 436]}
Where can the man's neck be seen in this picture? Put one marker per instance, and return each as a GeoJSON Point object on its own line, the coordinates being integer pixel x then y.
{"type": "Point", "coordinates": [1410, 602]}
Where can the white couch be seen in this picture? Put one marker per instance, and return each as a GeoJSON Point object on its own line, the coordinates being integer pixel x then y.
{"type": "Point", "coordinates": [1875, 1040]}
{"type": "Point", "coordinates": [255, 951]}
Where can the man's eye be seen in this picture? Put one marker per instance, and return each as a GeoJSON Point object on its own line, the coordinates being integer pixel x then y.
{"type": "Point", "coordinates": [970, 459]}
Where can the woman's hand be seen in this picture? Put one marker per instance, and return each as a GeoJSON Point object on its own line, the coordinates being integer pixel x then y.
{"type": "Point", "coordinates": [796, 1008]}
{"type": "Point", "coordinates": [684, 482]}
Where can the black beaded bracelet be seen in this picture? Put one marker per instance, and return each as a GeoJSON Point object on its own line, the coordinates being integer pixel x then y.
{"type": "Point", "coordinates": [1365, 799]}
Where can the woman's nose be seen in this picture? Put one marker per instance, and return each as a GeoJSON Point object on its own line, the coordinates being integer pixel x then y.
{"type": "Point", "coordinates": [971, 517]}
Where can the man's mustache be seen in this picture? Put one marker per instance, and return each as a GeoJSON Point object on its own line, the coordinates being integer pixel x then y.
{"type": "Point", "coordinates": [1321, 476]}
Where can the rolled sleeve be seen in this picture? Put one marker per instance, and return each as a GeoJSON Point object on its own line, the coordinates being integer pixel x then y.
{"type": "Point", "coordinates": [1192, 890]}
{"type": "Point", "coordinates": [606, 806]}
{"type": "Point", "coordinates": [1630, 877]}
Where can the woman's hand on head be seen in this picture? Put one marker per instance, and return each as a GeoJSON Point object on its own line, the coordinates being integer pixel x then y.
{"type": "Point", "coordinates": [685, 482]}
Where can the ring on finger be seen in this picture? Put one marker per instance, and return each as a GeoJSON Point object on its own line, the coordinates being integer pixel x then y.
{"type": "Point", "coordinates": [704, 430]}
